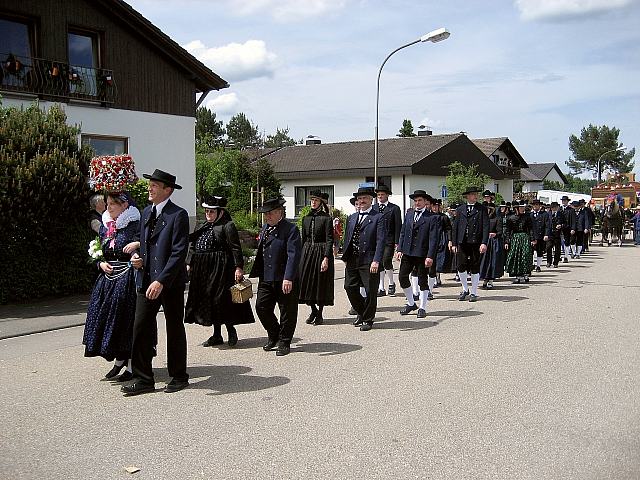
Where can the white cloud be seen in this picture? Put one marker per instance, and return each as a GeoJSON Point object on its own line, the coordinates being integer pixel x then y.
{"type": "Point", "coordinates": [224, 104]}
{"type": "Point", "coordinates": [236, 62]}
{"type": "Point", "coordinates": [556, 9]}
{"type": "Point", "coordinates": [286, 10]}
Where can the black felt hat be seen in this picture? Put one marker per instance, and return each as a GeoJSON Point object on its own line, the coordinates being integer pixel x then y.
{"type": "Point", "coordinates": [364, 191]}
{"type": "Point", "coordinates": [420, 193]}
{"type": "Point", "coordinates": [383, 188]}
{"type": "Point", "coordinates": [555, 204]}
{"type": "Point", "coordinates": [212, 202]}
{"type": "Point", "coordinates": [536, 202]}
{"type": "Point", "coordinates": [488, 193]}
{"type": "Point", "coordinates": [575, 203]}
{"type": "Point", "coordinates": [271, 204]}
{"type": "Point", "coordinates": [164, 177]}
{"type": "Point", "coordinates": [471, 190]}
{"type": "Point", "coordinates": [352, 201]}
{"type": "Point", "coordinates": [564, 197]}
{"type": "Point", "coordinates": [323, 197]}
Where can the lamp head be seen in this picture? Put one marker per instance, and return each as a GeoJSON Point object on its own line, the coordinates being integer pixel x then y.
{"type": "Point", "coordinates": [436, 36]}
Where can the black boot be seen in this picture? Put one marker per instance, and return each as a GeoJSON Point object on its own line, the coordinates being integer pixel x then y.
{"type": "Point", "coordinates": [232, 335]}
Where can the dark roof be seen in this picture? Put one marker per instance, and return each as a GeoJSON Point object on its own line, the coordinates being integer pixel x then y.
{"type": "Point", "coordinates": [423, 155]}
{"type": "Point", "coordinates": [490, 145]}
{"type": "Point", "coordinates": [537, 172]}
{"type": "Point", "coordinates": [203, 77]}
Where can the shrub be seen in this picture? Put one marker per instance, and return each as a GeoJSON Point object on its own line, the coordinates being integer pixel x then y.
{"type": "Point", "coordinates": [140, 193]}
{"type": "Point", "coordinates": [44, 229]}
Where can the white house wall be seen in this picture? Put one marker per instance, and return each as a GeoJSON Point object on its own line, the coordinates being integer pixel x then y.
{"type": "Point", "coordinates": [155, 141]}
{"type": "Point", "coordinates": [554, 176]}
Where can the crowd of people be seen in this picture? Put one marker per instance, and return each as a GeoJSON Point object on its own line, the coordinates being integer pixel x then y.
{"type": "Point", "coordinates": [147, 259]}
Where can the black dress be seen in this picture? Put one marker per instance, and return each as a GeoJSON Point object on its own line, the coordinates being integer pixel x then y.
{"type": "Point", "coordinates": [492, 263]}
{"type": "Point", "coordinates": [316, 287]}
{"type": "Point", "coordinates": [108, 330]}
{"type": "Point", "coordinates": [215, 255]}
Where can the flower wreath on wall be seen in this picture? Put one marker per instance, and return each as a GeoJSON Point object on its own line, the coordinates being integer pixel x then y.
{"type": "Point", "coordinates": [112, 173]}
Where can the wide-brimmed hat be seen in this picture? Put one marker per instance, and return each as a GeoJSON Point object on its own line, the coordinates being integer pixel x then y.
{"type": "Point", "coordinates": [536, 202]}
{"type": "Point", "coordinates": [364, 191]}
{"type": "Point", "coordinates": [518, 204]}
{"type": "Point", "coordinates": [211, 202]}
{"type": "Point", "coordinates": [471, 190]}
{"type": "Point", "coordinates": [453, 206]}
{"type": "Point", "coordinates": [383, 188]}
{"type": "Point", "coordinates": [488, 193]}
{"type": "Point", "coordinates": [352, 201]}
{"type": "Point", "coordinates": [437, 201]}
{"type": "Point", "coordinates": [324, 197]}
{"type": "Point", "coordinates": [420, 193]}
{"type": "Point", "coordinates": [164, 177]}
{"type": "Point", "coordinates": [271, 204]}
{"type": "Point", "coordinates": [575, 203]}
{"type": "Point", "coordinates": [554, 204]}
{"type": "Point", "coordinates": [319, 195]}
{"type": "Point", "coordinates": [582, 200]}
{"type": "Point", "coordinates": [565, 197]}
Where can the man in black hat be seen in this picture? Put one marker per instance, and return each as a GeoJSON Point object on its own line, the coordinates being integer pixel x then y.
{"type": "Point", "coordinates": [488, 196]}
{"type": "Point", "coordinates": [276, 267]}
{"type": "Point", "coordinates": [591, 220]}
{"type": "Point", "coordinates": [583, 225]}
{"type": "Point", "coordinates": [417, 248]}
{"type": "Point", "coordinates": [364, 241]}
{"type": "Point", "coordinates": [470, 235]}
{"type": "Point", "coordinates": [393, 220]}
{"type": "Point", "coordinates": [164, 243]}
{"type": "Point", "coordinates": [554, 245]}
{"type": "Point", "coordinates": [541, 232]}
{"type": "Point", "coordinates": [568, 228]}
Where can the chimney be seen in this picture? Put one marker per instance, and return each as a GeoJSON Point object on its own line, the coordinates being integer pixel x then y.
{"type": "Point", "coordinates": [313, 140]}
{"type": "Point", "coordinates": [424, 131]}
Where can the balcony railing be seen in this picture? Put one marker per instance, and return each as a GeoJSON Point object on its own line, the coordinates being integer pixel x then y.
{"type": "Point", "coordinates": [510, 171]}
{"type": "Point", "coordinates": [49, 78]}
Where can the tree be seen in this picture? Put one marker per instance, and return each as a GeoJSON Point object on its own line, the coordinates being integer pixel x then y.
{"type": "Point", "coordinates": [595, 141]}
{"type": "Point", "coordinates": [407, 129]}
{"type": "Point", "coordinates": [280, 139]}
{"type": "Point", "coordinates": [209, 131]}
{"type": "Point", "coordinates": [460, 178]}
{"type": "Point", "coordinates": [242, 133]}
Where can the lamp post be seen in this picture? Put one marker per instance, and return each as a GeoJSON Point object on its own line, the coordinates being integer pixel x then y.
{"type": "Point", "coordinates": [433, 37]}
{"type": "Point", "coordinates": [600, 159]}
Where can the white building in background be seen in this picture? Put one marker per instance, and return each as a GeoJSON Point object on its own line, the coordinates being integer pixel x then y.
{"type": "Point", "coordinates": [536, 174]}
{"type": "Point", "coordinates": [128, 85]}
{"type": "Point", "coordinates": [405, 165]}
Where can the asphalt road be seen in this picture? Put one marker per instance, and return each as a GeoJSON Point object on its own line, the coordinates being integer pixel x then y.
{"type": "Point", "coordinates": [537, 381]}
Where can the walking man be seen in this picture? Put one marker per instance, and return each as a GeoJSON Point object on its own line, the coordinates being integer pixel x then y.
{"type": "Point", "coordinates": [162, 275]}
{"type": "Point", "coordinates": [541, 232]}
{"type": "Point", "coordinates": [568, 228]}
{"type": "Point", "coordinates": [554, 246]}
{"type": "Point", "coordinates": [276, 267]}
{"type": "Point", "coordinates": [393, 221]}
{"type": "Point", "coordinates": [470, 235]}
{"type": "Point", "coordinates": [364, 242]}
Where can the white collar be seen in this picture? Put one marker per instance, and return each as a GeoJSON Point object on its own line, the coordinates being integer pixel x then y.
{"type": "Point", "coordinates": [160, 207]}
{"type": "Point", "coordinates": [131, 214]}
{"type": "Point", "coordinates": [471, 204]}
{"type": "Point", "coordinates": [385, 203]}
{"type": "Point", "coordinates": [368, 210]}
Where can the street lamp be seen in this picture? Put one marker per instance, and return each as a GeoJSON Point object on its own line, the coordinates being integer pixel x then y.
{"type": "Point", "coordinates": [433, 37]}
{"type": "Point", "coordinates": [599, 160]}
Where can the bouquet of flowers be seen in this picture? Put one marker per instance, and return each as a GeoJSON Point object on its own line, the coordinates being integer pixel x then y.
{"type": "Point", "coordinates": [112, 172]}
{"type": "Point", "coordinates": [95, 250]}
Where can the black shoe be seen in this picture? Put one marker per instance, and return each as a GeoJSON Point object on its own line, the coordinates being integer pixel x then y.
{"type": "Point", "coordinates": [353, 311]}
{"type": "Point", "coordinates": [136, 388]}
{"type": "Point", "coordinates": [430, 296]}
{"type": "Point", "coordinates": [421, 313]}
{"type": "Point", "coordinates": [485, 283]}
{"type": "Point", "coordinates": [213, 340]}
{"type": "Point", "coordinates": [473, 298]}
{"type": "Point", "coordinates": [526, 279]}
{"type": "Point", "coordinates": [358, 321]}
{"type": "Point", "coordinates": [538, 270]}
{"type": "Point", "coordinates": [416, 298]}
{"type": "Point", "coordinates": [392, 289]}
{"type": "Point", "coordinates": [270, 345]}
{"type": "Point", "coordinates": [365, 327]}
{"type": "Point", "coordinates": [176, 385]}
{"type": "Point", "coordinates": [233, 338]}
{"type": "Point", "coordinates": [311, 318]}
{"type": "Point", "coordinates": [548, 265]}
{"type": "Point", "coordinates": [439, 283]}
{"type": "Point", "coordinates": [319, 320]}
{"type": "Point", "coordinates": [125, 377]}
{"type": "Point", "coordinates": [382, 293]}
{"type": "Point", "coordinates": [566, 260]}
{"type": "Point", "coordinates": [516, 280]}
{"type": "Point", "coordinates": [408, 309]}
{"type": "Point", "coordinates": [115, 370]}
{"type": "Point", "coordinates": [284, 348]}
{"type": "Point", "coordinates": [490, 285]}
{"type": "Point", "coordinates": [555, 265]}
{"type": "Point", "coordinates": [463, 296]}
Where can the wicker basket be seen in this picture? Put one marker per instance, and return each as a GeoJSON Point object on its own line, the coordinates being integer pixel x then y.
{"type": "Point", "coordinates": [241, 292]}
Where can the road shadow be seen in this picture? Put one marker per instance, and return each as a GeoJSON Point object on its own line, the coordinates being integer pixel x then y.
{"type": "Point", "coordinates": [502, 298]}
{"type": "Point", "coordinates": [326, 349]}
{"type": "Point", "coordinates": [340, 321]}
{"type": "Point", "coordinates": [246, 343]}
{"type": "Point", "coordinates": [504, 287]}
{"type": "Point", "coordinates": [541, 282]}
{"type": "Point", "coordinates": [228, 379]}
{"type": "Point", "coordinates": [405, 325]}
{"type": "Point", "coordinates": [54, 307]}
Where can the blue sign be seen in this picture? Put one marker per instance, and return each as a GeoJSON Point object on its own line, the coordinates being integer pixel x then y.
{"type": "Point", "coordinates": [367, 185]}
{"type": "Point", "coordinates": [443, 192]}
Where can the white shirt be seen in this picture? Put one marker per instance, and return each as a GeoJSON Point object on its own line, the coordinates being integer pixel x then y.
{"type": "Point", "coordinates": [160, 206]}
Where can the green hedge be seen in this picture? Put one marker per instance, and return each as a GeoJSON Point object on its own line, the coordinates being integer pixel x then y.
{"type": "Point", "coordinates": [44, 229]}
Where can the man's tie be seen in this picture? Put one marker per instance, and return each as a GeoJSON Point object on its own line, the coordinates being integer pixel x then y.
{"type": "Point", "coordinates": [382, 207]}
{"type": "Point", "coordinates": [152, 221]}
{"type": "Point", "coordinates": [469, 209]}
{"type": "Point", "coordinates": [361, 217]}
{"type": "Point", "coordinates": [269, 230]}
{"type": "Point", "coordinates": [417, 215]}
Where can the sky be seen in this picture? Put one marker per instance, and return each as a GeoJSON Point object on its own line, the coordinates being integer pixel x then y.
{"type": "Point", "coordinates": [535, 71]}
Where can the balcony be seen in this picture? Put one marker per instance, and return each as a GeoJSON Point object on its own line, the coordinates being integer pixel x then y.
{"type": "Point", "coordinates": [59, 80]}
{"type": "Point", "coordinates": [510, 172]}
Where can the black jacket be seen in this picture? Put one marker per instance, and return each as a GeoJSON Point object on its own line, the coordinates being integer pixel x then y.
{"type": "Point", "coordinates": [373, 234]}
{"type": "Point", "coordinates": [421, 238]}
{"type": "Point", "coordinates": [318, 229]}
{"type": "Point", "coordinates": [541, 225]}
{"type": "Point", "coordinates": [470, 228]}
{"type": "Point", "coordinates": [393, 220]}
{"type": "Point", "coordinates": [554, 221]}
{"type": "Point", "coordinates": [279, 255]}
{"type": "Point", "coordinates": [569, 218]}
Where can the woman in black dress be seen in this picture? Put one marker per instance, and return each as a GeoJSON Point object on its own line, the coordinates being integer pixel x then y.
{"type": "Point", "coordinates": [215, 265]}
{"type": "Point", "coordinates": [108, 331]}
{"type": "Point", "coordinates": [492, 264]}
{"type": "Point", "coordinates": [316, 267]}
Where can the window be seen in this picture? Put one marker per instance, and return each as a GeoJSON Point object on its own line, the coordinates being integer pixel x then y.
{"type": "Point", "coordinates": [386, 180]}
{"type": "Point", "coordinates": [15, 52]}
{"type": "Point", "coordinates": [104, 145]}
{"type": "Point", "coordinates": [83, 62]}
{"type": "Point", "coordinates": [302, 196]}
{"type": "Point", "coordinates": [496, 188]}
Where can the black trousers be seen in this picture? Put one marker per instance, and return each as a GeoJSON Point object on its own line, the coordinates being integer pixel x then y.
{"type": "Point", "coordinates": [578, 238]}
{"type": "Point", "coordinates": [387, 257]}
{"type": "Point", "coordinates": [145, 334]}
{"type": "Point", "coordinates": [269, 294]}
{"type": "Point", "coordinates": [469, 257]}
{"type": "Point", "coordinates": [540, 248]}
{"type": "Point", "coordinates": [407, 264]}
{"type": "Point", "coordinates": [360, 276]}
{"type": "Point", "coordinates": [554, 250]}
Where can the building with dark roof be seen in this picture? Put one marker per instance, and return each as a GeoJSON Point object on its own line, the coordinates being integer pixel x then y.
{"type": "Point", "coordinates": [534, 176]}
{"type": "Point", "coordinates": [404, 164]}
{"type": "Point", "coordinates": [130, 87]}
